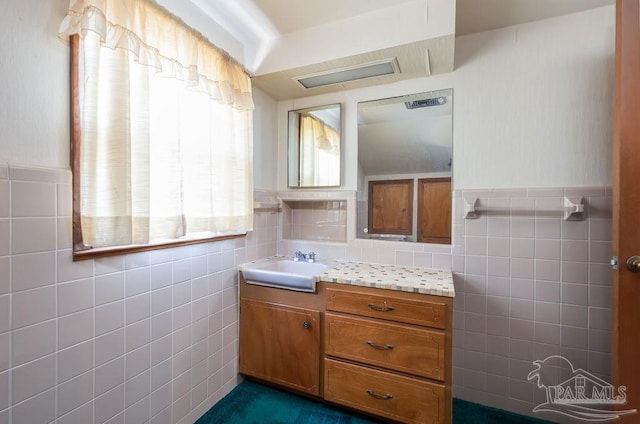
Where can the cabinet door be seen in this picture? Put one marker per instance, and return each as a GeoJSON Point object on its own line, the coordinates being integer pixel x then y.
{"type": "Point", "coordinates": [391, 207]}
{"type": "Point", "coordinates": [280, 344]}
{"type": "Point", "coordinates": [434, 210]}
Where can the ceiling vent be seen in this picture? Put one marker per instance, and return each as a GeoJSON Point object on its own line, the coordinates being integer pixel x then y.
{"type": "Point", "coordinates": [351, 73]}
{"type": "Point", "coordinates": [433, 101]}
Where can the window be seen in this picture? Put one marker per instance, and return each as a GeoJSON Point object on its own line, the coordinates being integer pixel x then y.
{"type": "Point", "coordinates": [162, 131]}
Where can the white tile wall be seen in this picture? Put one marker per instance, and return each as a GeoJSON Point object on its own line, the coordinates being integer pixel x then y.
{"type": "Point", "coordinates": [141, 338]}
{"type": "Point", "coordinates": [529, 285]}
{"type": "Point", "coordinates": [315, 220]}
{"type": "Point", "coordinates": [152, 337]}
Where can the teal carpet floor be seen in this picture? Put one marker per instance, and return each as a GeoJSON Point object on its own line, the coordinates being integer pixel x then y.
{"type": "Point", "coordinates": [251, 403]}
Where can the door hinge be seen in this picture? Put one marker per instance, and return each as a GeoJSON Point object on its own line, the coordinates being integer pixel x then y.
{"type": "Point", "coordinates": [614, 262]}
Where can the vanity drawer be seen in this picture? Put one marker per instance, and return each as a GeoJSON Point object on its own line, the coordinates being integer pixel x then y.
{"type": "Point", "coordinates": [391, 306]}
{"type": "Point", "coordinates": [397, 347]}
{"type": "Point", "coordinates": [404, 399]}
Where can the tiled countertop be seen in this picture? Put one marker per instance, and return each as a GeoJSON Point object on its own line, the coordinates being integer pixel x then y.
{"type": "Point", "coordinates": [391, 277]}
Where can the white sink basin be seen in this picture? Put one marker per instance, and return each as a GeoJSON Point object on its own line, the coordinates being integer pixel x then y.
{"type": "Point", "coordinates": [284, 273]}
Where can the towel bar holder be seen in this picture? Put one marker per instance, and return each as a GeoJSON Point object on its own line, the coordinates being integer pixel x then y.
{"type": "Point", "coordinates": [572, 208]}
{"type": "Point", "coordinates": [266, 206]}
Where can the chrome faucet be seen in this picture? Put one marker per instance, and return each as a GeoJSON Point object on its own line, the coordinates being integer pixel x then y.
{"type": "Point", "coordinates": [304, 257]}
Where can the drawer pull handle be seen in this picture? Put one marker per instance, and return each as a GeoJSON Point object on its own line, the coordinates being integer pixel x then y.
{"type": "Point", "coordinates": [380, 347]}
{"type": "Point", "coordinates": [385, 308]}
{"type": "Point", "coordinates": [377, 396]}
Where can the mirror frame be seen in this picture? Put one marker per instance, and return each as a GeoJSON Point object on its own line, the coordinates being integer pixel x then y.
{"type": "Point", "coordinates": [293, 145]}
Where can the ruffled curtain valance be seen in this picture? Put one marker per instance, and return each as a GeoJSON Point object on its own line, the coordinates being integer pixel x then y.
{"type": "Point", "coordinates": [160, 40]}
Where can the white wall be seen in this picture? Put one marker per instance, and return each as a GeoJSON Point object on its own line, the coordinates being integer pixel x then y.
{"type": "Point", "coordinates": [34, 118]}
{"type": "Point", "coordinates": [265, 136]}
{"type": "Point", "coordinates": [132, 338]}
{"type": "Point", "coordinates": [533, 105]}
{"type": "Point", "coordinates": [34, 88]}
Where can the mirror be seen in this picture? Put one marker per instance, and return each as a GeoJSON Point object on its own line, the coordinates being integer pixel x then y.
{"type": "Point", "coordinates": [314, 146]}
{"type": "Point", "coordinates": [405, 146]}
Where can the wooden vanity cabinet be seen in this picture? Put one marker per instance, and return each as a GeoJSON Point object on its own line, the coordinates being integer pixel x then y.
{"type": "Point", "coordinates": [383, 352]}
{"type": "Point", "coordinates": [389, 353]}
{"type": "Point", "coordinates": [280, 343]}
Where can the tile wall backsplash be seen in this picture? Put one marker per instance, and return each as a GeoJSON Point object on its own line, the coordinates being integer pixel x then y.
{"type": "Point", "coordinates": [152, 337]}
{"type": "Point", "coordinates": [142, 338]}
{"type": "Point", "coordinates": [320, 220]}
{"type": "Point", "coordinates": [529, 285]}
{"type": "Point", "coordinates": [362, 250]}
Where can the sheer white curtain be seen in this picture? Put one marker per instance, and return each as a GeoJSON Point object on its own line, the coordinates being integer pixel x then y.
{"type": "Point", "coordinates": [319, 152]}
{"type": "Point", "coordinates": [166, 128]}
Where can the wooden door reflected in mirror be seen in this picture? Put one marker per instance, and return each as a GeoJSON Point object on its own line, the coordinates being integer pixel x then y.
{"type": "Point", "coordinates": [434, 210]}
{"type": "Point", "coordinates": [391, 207]}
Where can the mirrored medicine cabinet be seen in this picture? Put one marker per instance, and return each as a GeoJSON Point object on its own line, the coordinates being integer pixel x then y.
{"type": "Point", "coordinates": [405, 146]}
{"type": "Point", "coordinates": [314, 146]}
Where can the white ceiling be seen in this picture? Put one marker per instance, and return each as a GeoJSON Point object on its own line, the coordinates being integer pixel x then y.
{"type": "Point", "coordinates": [483, 15]}
{"type": "Point", "coordinates": [472, 16]}
{"type": "Point", "coordinates": [294, 15]}
{"type": "Point", "coordinates": [259, 24]}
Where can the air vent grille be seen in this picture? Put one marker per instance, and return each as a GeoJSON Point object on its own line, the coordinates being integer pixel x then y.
{"type": "Point", "coordinates": [434, 101]}
{"type": "Point", "coordinates": [352, 73]}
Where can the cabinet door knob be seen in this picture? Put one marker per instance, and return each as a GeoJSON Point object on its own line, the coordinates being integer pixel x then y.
{"type": "Point", "coordinates": [379, 347]}
{"type": "Point", "coordinates": [306, 324]}
{"type": "Point", "coordinates": [375, 395]}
